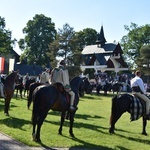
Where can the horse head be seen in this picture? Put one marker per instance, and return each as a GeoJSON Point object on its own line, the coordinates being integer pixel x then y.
{"type": "Point", "coordinates": [88, 86]}
{"type": "Point", "coordinates": [78, 85]}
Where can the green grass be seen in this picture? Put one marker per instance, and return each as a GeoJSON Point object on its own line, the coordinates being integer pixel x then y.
{"type": "Point", "coordinates": [91, 126]}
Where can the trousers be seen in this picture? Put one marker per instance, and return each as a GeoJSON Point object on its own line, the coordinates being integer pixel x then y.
{"type": "Point", "coordinates": [146, 99]}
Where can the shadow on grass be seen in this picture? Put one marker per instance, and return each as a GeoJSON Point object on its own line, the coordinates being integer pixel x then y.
{"type": "Point", "coordinates": [84, 145]}
{"type": "Point", "coordinates": [2, 105]}
{"type": "Point", "coordinates": [77, 116]}
{"type": "Point", "coordinates": [13, 122]}
{"type": "Point", "coordinates": [134, 139]}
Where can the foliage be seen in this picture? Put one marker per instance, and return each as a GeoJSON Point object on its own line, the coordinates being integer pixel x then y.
{"type": "Point", "coordinates": [137, 37]}
{"type": "Point", "coordinates": [144, 61]}
{"type": "Point", "coordinates": [65, 46]}
{"type": "Point", "coordinates": [5, 38]}
{"type": "Point", "coordinates": [91, 126]}
{"type": "Point", "coordinates": [86, 37]}
{"type": "Point", "coordinates": [40, 32]}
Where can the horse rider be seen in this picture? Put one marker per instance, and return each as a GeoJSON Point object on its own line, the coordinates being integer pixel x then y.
{"type": "Point", "coordinates": [45, 76]}
{"type": "Point", "coordinates": [2, 95]}
{"type": "Point", "coordinates": [138, 88]}
{"type": "Point", "coordinates": [60, 75]}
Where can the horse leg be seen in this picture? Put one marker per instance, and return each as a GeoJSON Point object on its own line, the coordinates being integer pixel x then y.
{"type": "Point", "coordinates": [144, 126]}
{"type": "Point", "coordinates": [33, 132]}
{"type": "Point", "coordinates": [24, 92]}
{"type": "Point", "coordinates": [62, 122]}
{"type": "Point", "coordinates": [113, 120]}
{"type": "Point", "coordinates": [16, 93]}
{"type": "Point", "coordinates": [7, 103]}
{"type": "Point", "coordinates": [21, 93]}
{"type": "Point", "coordinates": [71, 125]}
{"type": "Point", "coordinates": [40, 121]}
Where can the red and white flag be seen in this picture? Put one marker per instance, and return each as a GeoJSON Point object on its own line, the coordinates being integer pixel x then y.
{"type": "Point", "coordinates": [2, 64]}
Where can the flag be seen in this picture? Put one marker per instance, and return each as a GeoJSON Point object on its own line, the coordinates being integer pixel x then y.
{"type": "Point", "coordinates": [2, 64]}
{"type": "Point", "coordinates": [11, 64]}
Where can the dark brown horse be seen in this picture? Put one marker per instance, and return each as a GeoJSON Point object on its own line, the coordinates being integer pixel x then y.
{"type": "Point", "coordinates": [49, 97]}
{"type": "Point", "coordinates": [88, 89]}
{"type": "Point", "coordinates": [9, 87]}
{"type": "Point", "coordinates": [125, 103]}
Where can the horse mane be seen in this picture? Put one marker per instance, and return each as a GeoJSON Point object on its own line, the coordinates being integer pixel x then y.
{"type": "Point", "coordinates": [11, 76]}
{"type": "Point", "coordinates": [74, 80]}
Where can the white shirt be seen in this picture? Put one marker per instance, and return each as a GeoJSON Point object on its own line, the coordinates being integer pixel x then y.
{"type": "Point", "coordinates": [137, 81]}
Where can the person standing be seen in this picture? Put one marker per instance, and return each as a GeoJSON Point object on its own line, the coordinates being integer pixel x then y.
{"type": "Point", "coordinates": [60, 75]}
{"type": "Point", "coordinates": [25, 78]}
{"type": "Point", "coordinates": [138, 88]}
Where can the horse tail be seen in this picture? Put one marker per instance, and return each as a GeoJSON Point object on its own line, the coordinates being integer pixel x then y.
{"type": "Point", "coordinates": [35, 110]}
{"type": "Point", "coordinates": [113, 109]}
{"type": "Point", "coordinates": [32, 87]}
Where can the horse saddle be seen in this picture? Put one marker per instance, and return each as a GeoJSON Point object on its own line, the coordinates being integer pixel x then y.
{"type": "Point", "coordinates": [137, 107]}
{"type": "Point", "coordinates": [61, 88]}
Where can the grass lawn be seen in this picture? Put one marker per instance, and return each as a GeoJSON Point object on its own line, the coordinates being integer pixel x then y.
{"type": "Point", "coordinates": [91, 126]}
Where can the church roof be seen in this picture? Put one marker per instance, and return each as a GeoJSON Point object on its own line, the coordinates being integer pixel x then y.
{"type": "Point", "coordinates": [104, 54]}
{"type": "Point", "coordinates": [93, 49]}
{"type": "Point", "coordinates": [101, 38]}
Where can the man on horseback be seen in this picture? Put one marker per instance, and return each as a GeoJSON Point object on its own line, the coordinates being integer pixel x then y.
{"type": "Point", "coordinates": [1, 88]}
{"type": "Point", "coordinates": [138, 88]}
{"type": "Point", "coordinates": [45, 76]}
{"type": "Point", "coordinates": [61, 75]}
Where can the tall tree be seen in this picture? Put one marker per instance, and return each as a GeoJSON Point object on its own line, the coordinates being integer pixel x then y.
{"type": "Point", "coordinates": [65, 36]}
{"type": "Point", "coordinates": [137, 37]}
{"type": "Point", "coordinates": [144, 61]}
{"type": "Point", "coordinates": [40, 32]}
{"type": "Point", "coordinates": [6, 41]}
{"type": "Point", "coordinates": [86, 37]}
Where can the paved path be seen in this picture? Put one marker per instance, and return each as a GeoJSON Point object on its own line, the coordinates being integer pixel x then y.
{"type": "Point", "coordinates": [7, 143]}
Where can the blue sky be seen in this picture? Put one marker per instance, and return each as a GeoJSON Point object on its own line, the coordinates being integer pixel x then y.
{"type": "Point", "coordinates": [79, 14]}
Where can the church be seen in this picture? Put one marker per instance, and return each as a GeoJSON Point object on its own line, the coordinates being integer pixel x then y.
{"type": "Point", "coordinates": [103, 56]}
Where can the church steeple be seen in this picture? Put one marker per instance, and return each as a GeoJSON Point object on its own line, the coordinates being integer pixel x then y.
{"type": "Point", "coordinates": [101, 38]}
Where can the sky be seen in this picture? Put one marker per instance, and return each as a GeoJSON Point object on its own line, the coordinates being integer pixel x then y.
{"type": "Point", "coordinates": [79, 14]}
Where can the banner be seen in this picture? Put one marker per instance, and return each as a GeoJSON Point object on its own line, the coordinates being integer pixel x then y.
{"type": "Point", "coordinates": [11, 64]}
{"type": "Point", "coordinates": [2, 64]}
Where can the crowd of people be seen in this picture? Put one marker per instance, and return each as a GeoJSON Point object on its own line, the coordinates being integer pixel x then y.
{"type": "Point", "coordinates": [103, 78]}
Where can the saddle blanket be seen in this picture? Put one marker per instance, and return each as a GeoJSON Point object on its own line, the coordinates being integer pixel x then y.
{"type": "Point", "coordinates": [136, 109]}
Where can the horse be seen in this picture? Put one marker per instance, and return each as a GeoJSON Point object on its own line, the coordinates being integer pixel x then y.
{"type": "Point", "coordinates": [27, 84]}
{"type": "Point", "coordinates": [87, 88]}
{"type": "Point", "coordinates": [9, 87]}
{"type": "Point", "coordinates": [125, 103]}
{"type": "Point", "coordinates": [46, 97]}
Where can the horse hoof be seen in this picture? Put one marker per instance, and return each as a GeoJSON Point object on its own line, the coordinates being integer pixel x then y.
{"type": "Point", "coordinates": [38, 140]}
{"type": "Point", "coordinates": [144, 133]}
{"type": "Point", "coordinates": [72, 135]}
{"type": "Point", "coordinates": [6, 114]}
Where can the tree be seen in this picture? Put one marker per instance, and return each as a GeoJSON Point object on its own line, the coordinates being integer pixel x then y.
{"type": "Point", "coordinates": [68, 49]}
{"type": "Point", "coordinates": [5, 38]}
{"type": "Point", "coordinates": [40, 32]}
{"type": "Point", "coordinates": [65, 36]}
{"type": "Point", "coordinates": [144, 61]}
{"type": "Point", "coordinates": [86, 37]}
{"type": "Point", "coordinates": [134, 40]}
